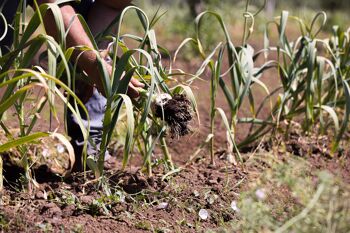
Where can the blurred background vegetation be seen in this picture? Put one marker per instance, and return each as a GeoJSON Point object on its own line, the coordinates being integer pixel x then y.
{"type": "Point", "coordinates": [181, 13]}
{"type": "Point", "coordinates": [196, 6]}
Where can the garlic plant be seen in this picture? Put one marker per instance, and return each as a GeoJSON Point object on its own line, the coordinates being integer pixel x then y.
{"type": "Point", "coordinates": [143, 62]}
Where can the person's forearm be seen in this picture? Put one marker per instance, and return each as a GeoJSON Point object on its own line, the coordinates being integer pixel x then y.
{"type": "Point", "coordinates": [75, 37]}
{"type": "Point", "coordinates": [78, 37]}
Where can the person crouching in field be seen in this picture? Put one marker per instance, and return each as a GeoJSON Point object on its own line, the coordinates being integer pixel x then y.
{"type": "Point", "coordinates": [98, 14]}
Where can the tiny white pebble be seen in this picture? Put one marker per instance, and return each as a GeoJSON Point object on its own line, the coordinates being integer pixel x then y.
{"type": "Point", "coordinates": [122, 198]}
{"type": "Point", "coordinates": [260, 194]}
{"type": "Point", "coordinates": [162, 205]}
{"type": "Point", "coordinates": [234, 206]}
{"type": "Point", "coordinates": [203, 214]}
{"type": "Point", "coordinates": [60, 148]}
{"type": "Point", "coordinates": [45, 152]}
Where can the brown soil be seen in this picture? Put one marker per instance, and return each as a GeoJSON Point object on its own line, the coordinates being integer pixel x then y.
{"type": "Point", "coordinates": [171, 204]}
{"type": "Point", "coordinates": [141, 204]}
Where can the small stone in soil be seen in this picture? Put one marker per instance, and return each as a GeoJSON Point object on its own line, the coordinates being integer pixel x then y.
{"type": "Point", "coordinates": [212, 182]}
{"type": "Point", "coordinates": [203, 214]}
{"type": "Point", "coordinates": [162, 205]}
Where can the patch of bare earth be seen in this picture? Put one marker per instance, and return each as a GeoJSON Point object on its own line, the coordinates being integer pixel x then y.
{"type": "Point", "coordinates": [136, 203]}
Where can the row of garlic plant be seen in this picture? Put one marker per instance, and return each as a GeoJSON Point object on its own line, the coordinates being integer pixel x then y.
{"type": "Point", "coordinates": [313, 73]}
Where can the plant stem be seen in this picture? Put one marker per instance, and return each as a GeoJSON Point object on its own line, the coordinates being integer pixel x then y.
{"type": "Point", "coordinates": [213, 88]}
{"type": "Point", "coordinates": [212, 143]}
{"type": "Point", "coordinates": [244, 39]}
{"type": "Point", "coordinates": [147, 161]}
{"type": "Point", "coordinates": [149, 167]}
{"type": "Point", "coordinates": [1, 177]}
{"type": "Point", "coordinates": [166, 153]}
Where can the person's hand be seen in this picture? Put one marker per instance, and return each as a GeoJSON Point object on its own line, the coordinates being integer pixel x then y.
{"type": "Point", "coordinates": [92, 71]}
{"type": "Point", "coordinates": [133, 86]}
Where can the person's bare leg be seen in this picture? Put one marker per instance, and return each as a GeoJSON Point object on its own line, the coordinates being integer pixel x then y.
{"type": "Point", "coordinates": [99, 18]}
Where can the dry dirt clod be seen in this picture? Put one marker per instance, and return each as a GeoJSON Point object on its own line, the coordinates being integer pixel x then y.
{"type": "Point", "coordinates": [40, 195]}
{"type": "Point", "coordinates": [151, 182]}
{"type": "Point", "coordinates": [86, 200]}
{"type": "Point", "coordinates": [68, 211]}
{"type": "Point", "coordinates": [51, 210]}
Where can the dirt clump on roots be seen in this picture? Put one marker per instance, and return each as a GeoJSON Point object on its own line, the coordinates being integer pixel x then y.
{"type": "Point", "coordinates": [177, 114]}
